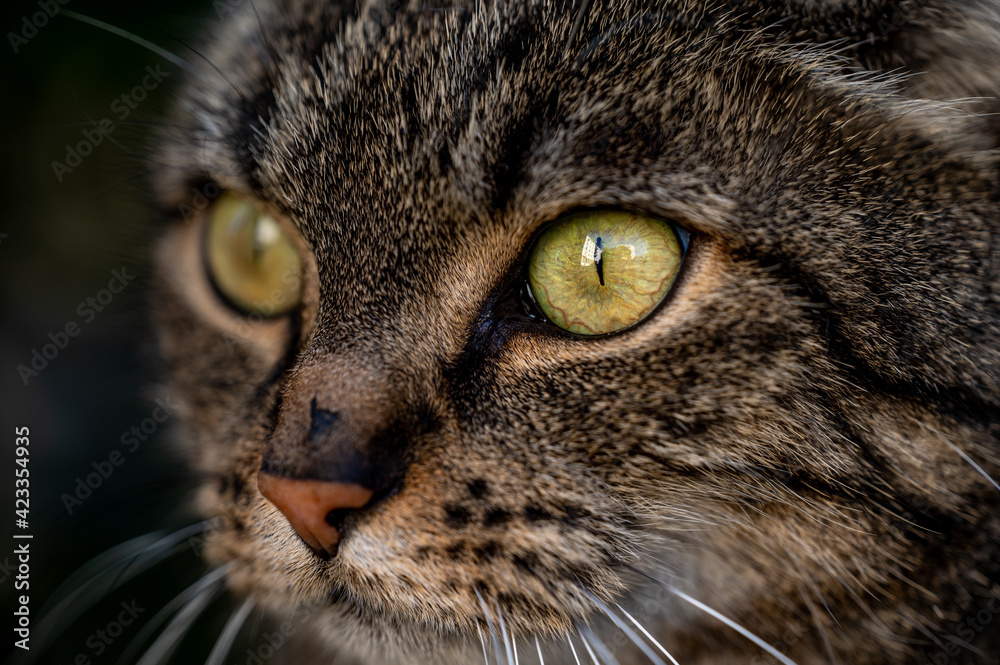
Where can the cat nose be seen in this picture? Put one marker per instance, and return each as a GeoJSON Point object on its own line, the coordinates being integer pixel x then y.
{"type": "Point", "coordinates": [314, 508]}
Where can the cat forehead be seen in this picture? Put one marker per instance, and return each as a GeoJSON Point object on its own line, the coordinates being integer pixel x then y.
{"type": "Point", "coordinates": [396, 93]}
{"type": "Point", "coordinates": [375, 95]}
{"type": "Point", "coordinates": [414, 118]}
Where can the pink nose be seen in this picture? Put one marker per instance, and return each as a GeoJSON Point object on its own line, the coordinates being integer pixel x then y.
{"type": "Point", "coordinates": [314, 508]}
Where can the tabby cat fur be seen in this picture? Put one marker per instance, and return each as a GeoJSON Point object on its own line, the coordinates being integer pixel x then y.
{"type": "Point", "coordinates": [789, 439]}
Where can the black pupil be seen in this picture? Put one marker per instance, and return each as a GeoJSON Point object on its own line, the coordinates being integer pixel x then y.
{"type": "Point", "coordinates": [599, 261]}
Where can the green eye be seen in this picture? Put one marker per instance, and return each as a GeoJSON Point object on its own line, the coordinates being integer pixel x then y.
{"type": "Point", "coordinates": [251, 258]}
{"type": "Point", "coordinates": [600, 271]}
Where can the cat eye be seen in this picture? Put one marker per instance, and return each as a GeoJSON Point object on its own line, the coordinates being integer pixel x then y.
{"type": "Point", "coordinates": [251, 259]}
{"type": "Point", "coordinates": [601, 271]}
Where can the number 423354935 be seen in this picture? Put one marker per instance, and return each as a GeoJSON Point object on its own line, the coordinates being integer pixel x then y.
{"type": "Point", "coordinates": [21, 473]}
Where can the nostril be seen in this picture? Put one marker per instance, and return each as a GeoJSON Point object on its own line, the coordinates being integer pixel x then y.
{"type": "Point", "coordinates": [336, 517]}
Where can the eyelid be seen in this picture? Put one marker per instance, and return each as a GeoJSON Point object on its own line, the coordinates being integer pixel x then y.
{"type": "Point", "coordinates": [685, 237]}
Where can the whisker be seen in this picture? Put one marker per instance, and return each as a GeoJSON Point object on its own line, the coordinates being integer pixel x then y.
{"type": "Point", "coordinates": [569, 640]}
{"type": "Point", "coordinates": [506, 639]}
{"type": "Point", "coordinates": [211, 64]}
{"type": "Point", "coordinates": [100, 563]}
{"type": "Point", "coordinates": [179, 601]}
{"type": "Point", "coordinates": [650, 654]}
{"type": "Point", "coordinates": [162, 52]}
{"type": "Point", "coordinates": [224, 644]}
{"type": "Point", "coordinates": [587, 647]}
{"type": "Point", "coordinates": [171, 637]}
{"type": "Point", "coordinates": [74, 605]}
{"type": "Point", "coordinates": [714, 613]}
{"type": "Point", "coordinates": [973, 463]}
{"type": "Point", "coordinates": [648, 636]}
{"type": "Point", "coordinates": [263, 34]}
{"type": "Point", "coordinates": [489, 623]}
{"type": "Point", "coordinates": [479, 630]}
{"type": "Point", "coordinates": [591, 640]}
{"type": "Point", "coordinates": [160, 550]}
{"type": "Point", "coordinates": [541, 660]}
{"type": "Point", "coordinates": [732, 624]}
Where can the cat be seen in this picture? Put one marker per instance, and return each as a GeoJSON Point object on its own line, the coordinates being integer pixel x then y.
{"type": "Point", "coordinates": [427, 436]}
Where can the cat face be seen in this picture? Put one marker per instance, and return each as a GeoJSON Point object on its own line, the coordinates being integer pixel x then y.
{"type": "Point", "coordinates": [785, 431]}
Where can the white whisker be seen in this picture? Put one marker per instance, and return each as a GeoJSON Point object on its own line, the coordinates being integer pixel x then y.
{"type": "Point", "coordinates": [732, 624]}
{"type": "Point", "coordinates": [70, 608]}
{"type": "Point", "coordinates": [973, 463]}
{"type": "Point", "coordinates": [586, 646]}
{"type": "Point", "coordinates": [572, 648]}
{"type": "Point", "coordinates": [489, 624]}
{"type": "Point", "coordinates": [506, 638]}
{"type": "Point", "coordinates": [109, 558]}
{"type": "Point", "coordinates": [228, 635]}
{"type": "Point", "coordinates": [145, 43]}
{"type": "Point", "coordinates": [541, 660]}
{"type": "Point", "coordinates": [589, 637]}
{"type": "Point", "coordinates": [171, 636]}
{"type": "Point", "coordinates": [648, 636]}
{"type": "Point", "coordinates": [479, 630]}
{"type": "Point", "coordinates": [178, 602]}
{"type": "Point", "coordinates": [628, 631]}
{"type": "Point", "coordinates": [576, 26]}
{"type": "Point", "coordinates": [142, 560]}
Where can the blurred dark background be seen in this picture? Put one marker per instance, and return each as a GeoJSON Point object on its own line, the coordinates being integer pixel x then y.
{"type": "Point", "coordinates": [65, 233]}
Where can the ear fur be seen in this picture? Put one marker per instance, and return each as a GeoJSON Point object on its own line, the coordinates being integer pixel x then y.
{"type": "Point", "coordinates": [945, 50]}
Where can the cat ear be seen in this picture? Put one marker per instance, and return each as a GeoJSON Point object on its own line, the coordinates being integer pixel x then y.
{"type": "Point", "coordinates": [943, 49]}
{"type": "Point", "coordinates": [953, 47]}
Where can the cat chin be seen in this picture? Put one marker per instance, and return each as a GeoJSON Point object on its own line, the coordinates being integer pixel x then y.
{"type": "Point", "coordinates": [338, 634]}
{"type": "Point", "coordinates": [340, 631]}
{"type": "Point", "coordinates": [335, 634]}
{"type": "Point", "coordinates": [335, 602]}
{"type": "Point", "coordinates": [341, 634]}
